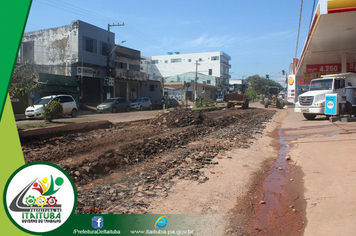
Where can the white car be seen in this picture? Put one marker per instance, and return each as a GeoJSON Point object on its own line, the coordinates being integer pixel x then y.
{"type": "Point", "coordinates": [68, 103]}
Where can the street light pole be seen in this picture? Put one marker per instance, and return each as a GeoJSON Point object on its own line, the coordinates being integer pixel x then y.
{"type": "Point", "coordinates": [196, 80]}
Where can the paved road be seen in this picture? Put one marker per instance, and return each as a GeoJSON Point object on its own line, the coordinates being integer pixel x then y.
{"type": "Point", "coordinates": [325, 152]}
{"type": "Point", "coordinates": [112, 117]}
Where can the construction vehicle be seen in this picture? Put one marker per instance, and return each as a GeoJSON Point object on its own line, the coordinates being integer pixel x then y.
{"type": "Point", "coordinates": [273, 98]}
{"type": "Point", "coordinates": [236, 98]}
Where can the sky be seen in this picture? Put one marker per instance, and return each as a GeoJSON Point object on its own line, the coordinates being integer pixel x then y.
{"type": "Point", "coordinates": [260, 36]}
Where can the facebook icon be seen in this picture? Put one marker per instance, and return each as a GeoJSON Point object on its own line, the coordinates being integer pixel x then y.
{"type": "Point", "coordinates": [97, 222]}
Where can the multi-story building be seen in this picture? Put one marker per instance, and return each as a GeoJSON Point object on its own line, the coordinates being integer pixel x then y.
{"type": "Point", "coordinates": [209, 63]}
{"type": "Point", "coordinates": [88, 53]}
{"type": "Point", "coordinates": [79, 49]}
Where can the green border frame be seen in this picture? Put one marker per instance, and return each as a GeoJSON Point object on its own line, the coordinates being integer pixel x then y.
{"type": "Point", "coordinates": [31, 164]}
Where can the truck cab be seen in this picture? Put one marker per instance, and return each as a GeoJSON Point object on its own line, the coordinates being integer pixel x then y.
{"type": "Point", "coordinates": [312, 103]}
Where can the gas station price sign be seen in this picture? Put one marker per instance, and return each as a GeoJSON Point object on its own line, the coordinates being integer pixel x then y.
{"type": "Point", "coordinates": [323, 68]}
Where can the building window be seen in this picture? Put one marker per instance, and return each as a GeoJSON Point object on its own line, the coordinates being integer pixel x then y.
{"type": "Point", "coordinates": [215, 58]}
{"type": "Point", "coordinates": [89, 44]}
{"type": "Point", "coordinates": [103, 48]}
{"type": "Point", "coordinates": [208, 81]}
{"type": "Point", "coordinates": [154, 61]}
{"type": "Point", "coordinates": [134, 67]}
{"type": "Point", "coordinates": [152, 87]}
{"type": "Point", "coordinates": [174, 60]}
{"type": "Point", "coordinates": [210, 71]}
{"type": "Point", "coordinates": [166, 61]}
{"type": "Point", "coordinates": [189, 60]}
{"type": "Point", "coordinates": [200, 59]}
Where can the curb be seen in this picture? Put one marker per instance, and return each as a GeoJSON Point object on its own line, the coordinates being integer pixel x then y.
{"type": "Point", "coordinates": [63, 128]}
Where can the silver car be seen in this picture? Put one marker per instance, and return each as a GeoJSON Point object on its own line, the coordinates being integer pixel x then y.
{"type": "Point", "coordinates": [142, 103]}
{"type": "Point", "coordinates": [220, 99]}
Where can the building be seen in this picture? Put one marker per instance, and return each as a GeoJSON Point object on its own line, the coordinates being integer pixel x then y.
{"type": "Point", "coordinates": [79, 49]}
{"type": "Point", "coordinates": [185, 86]}
{"type": "Point", "coordinates": [127, 76]}
{"type": "Point", "coordinates": [214, 64]}
{"type": "Point", "coordinates": [330, 45]}
{"type": "Point", "coordinates": [89, 53]}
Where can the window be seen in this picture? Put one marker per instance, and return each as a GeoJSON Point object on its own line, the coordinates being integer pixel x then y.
{"type": "Point", "coordinates": [174, 60]}
{"type": "Point", "coordinates": [189, 60]}
{"type": "Point", "coordinates": [134, 67]}
{"type": "Point", "coordinates": [208, 81]}
{"type": "Point", "coordinates": [166, 61]}
{"type": "Point", "coordinates": [104, 48]}
{"type": "Point", "coordinates": [63, 99]}
{"type": "Point", "coordinates": [154, 61]}
{"type": "Point", "coordinates": [339, 84]}
{"type": "Point", "coordinates": [200, 59]}
{"type": "Point", "coordinates": [152, 87]}
{"type": "Point", "coordinates": [210, 71]}
{"type": "Point", "coordinates": [215, 58]}
{"type": "Point", "coordinates": [89, 44]}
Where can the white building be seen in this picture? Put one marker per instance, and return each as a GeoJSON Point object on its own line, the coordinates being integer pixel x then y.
{"type": "Point", "coordinates": [209, 63]}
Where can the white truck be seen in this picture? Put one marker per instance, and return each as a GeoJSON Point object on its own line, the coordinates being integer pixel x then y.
{"type": "Point", "coordinates": [312, 103]}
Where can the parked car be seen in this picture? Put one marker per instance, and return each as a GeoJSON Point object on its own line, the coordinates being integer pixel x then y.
{"type": "Point", "coordinates": [68, 103]}
{"type": "Point", "coordinates": [220, 99]}
{"type": "Point", "coordinates": [142, 103]}
{"type": "Point", "coordinates": [114, 105]}
{"type": "Point", "coordinates": [172, 102]}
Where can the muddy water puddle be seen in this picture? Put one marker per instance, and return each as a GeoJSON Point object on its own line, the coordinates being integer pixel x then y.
{"type": "Point", "coordinates": [275, 210]}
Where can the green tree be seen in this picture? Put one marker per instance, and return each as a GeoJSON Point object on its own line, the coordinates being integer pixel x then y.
{"type": "Point", "coordinates": [252, 94]}
{"type": "Point", "coordinates": [261, 85]}
{"type": "Point", "coordinates": [24, 81]}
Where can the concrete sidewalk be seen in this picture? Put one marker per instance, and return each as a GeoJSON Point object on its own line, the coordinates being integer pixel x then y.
{"type": "Point", "coordinates": [326, 153]}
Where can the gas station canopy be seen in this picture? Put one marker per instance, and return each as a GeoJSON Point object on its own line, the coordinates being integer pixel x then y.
{"type": "Point", "coordinates": [331, 43]}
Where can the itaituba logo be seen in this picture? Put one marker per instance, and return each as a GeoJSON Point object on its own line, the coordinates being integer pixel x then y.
{"type": "Point", "coordinates": [43, 203]}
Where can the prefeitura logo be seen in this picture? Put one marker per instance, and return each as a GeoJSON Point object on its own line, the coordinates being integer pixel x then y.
{"type": "Point", "coordinates": [39, 197]}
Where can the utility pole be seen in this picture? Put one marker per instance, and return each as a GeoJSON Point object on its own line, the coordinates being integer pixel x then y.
{"type": "Point", "coordinates": [109, 46]}
{"type": "Point", "coordinates": [196, 80]}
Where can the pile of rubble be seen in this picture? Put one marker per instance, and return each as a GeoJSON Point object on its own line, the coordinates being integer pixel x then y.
{"type": "Point", "coordinates": [120, 169]}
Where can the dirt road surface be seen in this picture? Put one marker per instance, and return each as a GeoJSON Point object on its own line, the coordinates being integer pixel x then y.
{"type": "Point", "coordinates": [227, 167]}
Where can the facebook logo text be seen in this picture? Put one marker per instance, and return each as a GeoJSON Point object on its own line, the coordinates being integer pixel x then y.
{"type": "Point", "coordinates": [97, 222]}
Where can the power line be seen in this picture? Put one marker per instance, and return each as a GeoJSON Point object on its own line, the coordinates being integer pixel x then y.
{"type": "Point", "coordinates": [80, 11]}
{"type": "Point", "coordinates": [300, 20]}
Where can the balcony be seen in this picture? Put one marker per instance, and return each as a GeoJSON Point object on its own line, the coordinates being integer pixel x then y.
{"type": "Point", "coordinates": [225, 63]}
{"type": "Point", "coordinates": [129, 75]}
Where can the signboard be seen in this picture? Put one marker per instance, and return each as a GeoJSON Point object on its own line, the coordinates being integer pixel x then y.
{"type": "Point", "coordinates": [291, 89]}
{"type": "Point", "coordinates": [328, 68]}
{"type": "Point", "coordinates": [88, 72]}
{"type": "Point", "coordinates": [331, 104]}
{"type": "Point", "coordinates": [109, 82]}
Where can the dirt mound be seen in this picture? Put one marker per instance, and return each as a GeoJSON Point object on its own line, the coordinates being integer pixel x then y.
{"type": "Point", "coordinates": [180, 118]}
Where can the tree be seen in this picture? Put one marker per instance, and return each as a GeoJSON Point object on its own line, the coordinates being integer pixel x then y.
{"type": "Point", "coordinates": [24, 81]}
{"type": "Point", "coordinates": [252, 94]}
{"type": "Point", "coordinates": [261, 85]}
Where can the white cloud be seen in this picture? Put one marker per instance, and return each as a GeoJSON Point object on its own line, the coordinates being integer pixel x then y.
{"type": "Point", "coordinates": [211, 42]}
